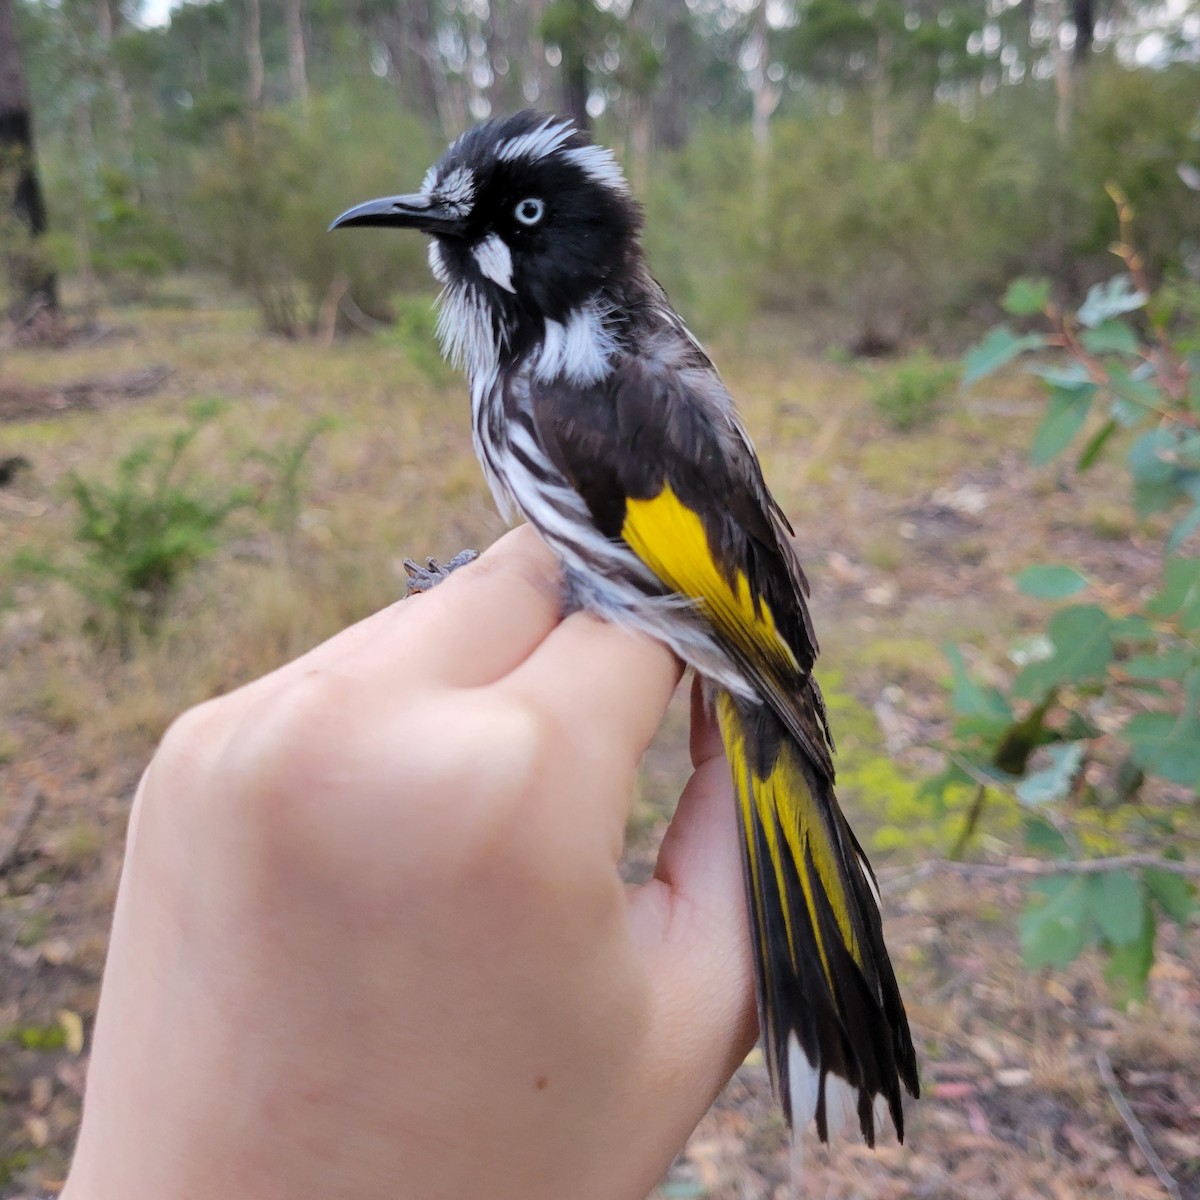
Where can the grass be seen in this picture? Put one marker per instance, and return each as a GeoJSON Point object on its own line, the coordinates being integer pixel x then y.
{"type": "Point", "coordinates": [897, 571]}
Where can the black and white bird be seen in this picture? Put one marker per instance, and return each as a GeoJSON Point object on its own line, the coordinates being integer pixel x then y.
{"type": "Point", "coordinates": [600, 419]}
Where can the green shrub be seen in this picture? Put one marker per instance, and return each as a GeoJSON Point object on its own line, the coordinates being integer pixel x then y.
{"type": "Point", "coordinates": [910, 394]}
{"type": "Point", "coordinates": [140, 533]}
{"type": "Point", "coordinates": [1097, 736]}
{"type": "Point", "coordinates": [263, 198]}
{"type": "Point", "coordinates": [288, 463]}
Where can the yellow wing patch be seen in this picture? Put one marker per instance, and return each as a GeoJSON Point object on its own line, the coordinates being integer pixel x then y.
{"type": "Point", "coordinates": [670, 539]}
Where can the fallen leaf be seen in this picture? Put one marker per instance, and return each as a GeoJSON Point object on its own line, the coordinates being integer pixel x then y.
{"type": "Point", "coordinates": [72, 1026]}
{"type": "Point", "coordinates": [37, 1129]}
{"type": "Point", "coordinates": [1011, 1077]}
{"type": "Point", "coordinates": [41, 1089]}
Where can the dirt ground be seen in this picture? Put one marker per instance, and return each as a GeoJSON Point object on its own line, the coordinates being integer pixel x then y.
{"type": "Point", "coordinates": [910, 541]}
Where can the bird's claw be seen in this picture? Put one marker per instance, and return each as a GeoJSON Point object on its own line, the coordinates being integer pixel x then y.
{"type": "Point", "coordinates": [422, 578]}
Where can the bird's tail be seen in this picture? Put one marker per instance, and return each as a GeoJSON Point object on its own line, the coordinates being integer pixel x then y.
{"type": "Point", "coordinates": [834, 1029]}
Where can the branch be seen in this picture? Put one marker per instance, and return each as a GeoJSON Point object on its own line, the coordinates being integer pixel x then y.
{"type": "Point", "coordinates": [1135, 1127]}
{"type": "Point", "coordinates": [1031, 868]}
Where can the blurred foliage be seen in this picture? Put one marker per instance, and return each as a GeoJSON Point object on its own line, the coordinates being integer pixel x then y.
{"type": "Point", "coordinates": [886, 793]}
{"type": "Point", "coordinates": [876, 251]}
{"type": "Point", "coordinates": [288, 464]}
{"type": "Point", "coordinates": [139, 534]}
{"type": "Point", "coordinates": [916, 161]}
{"type": "Point", "coordinates": [263, 196]}
{"type": "Point", "coordinates": [910, 394]}
{"type": "Point", "coordinates": [1097, 736]}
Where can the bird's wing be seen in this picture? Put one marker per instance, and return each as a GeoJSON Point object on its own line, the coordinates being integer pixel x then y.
{"type": "Point", "coordinates": [662, 463]}
{"type": "Point", "coordinates": [658, 457]}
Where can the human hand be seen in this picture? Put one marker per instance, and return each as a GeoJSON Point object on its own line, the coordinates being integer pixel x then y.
{"type": "Point", "coordinates": [371, 940]}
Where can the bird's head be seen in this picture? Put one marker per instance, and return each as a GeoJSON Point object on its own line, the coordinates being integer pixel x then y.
{"type": "Point", "coordinates": [526, 217]}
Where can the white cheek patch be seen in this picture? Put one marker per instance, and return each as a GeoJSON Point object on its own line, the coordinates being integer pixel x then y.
{"type": "Point", "coordinates": [494, 260]}
{"type": "Point", "coordinates": [437, 264]}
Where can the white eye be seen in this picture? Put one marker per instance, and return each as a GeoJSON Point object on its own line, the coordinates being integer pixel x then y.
{"type": "Point", "coordinates": [530, 212]}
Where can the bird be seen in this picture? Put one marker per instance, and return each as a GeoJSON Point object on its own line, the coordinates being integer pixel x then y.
{"type": "Point", "coordinates": [599, 418]}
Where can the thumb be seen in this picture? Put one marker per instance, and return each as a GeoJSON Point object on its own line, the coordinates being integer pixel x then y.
{"type": "Point", "coordinates": [691, 928]}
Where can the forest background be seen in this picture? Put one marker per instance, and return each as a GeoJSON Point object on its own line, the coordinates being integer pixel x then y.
{"type": "Point", "coordinates": [221, 429]}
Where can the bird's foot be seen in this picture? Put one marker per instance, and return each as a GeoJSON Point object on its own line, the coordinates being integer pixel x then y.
{"type": "Point", "coordinates": [422, 578]}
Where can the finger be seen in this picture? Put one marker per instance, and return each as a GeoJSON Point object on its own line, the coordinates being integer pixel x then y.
{"type": "Point", "coordinates": [592, 676]}
{"type": "Point", "coordinates": [691, 926]}
{"type": "Point", "coordinates": [704, 741]}
{"type": "Point", "coordinates": [477, 624]}
{"type": "Point", "coordinates": [468, 631]}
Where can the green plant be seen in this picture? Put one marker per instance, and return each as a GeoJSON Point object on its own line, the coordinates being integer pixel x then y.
{"type": "Point", "coordinates": [287, 461]}
{"type": "Point", "coordinates": [910, 394]}
{"type": "Point", "coordinates": [140, 533]}
{"type": "Point", "coordinates": [264, 193]}
{"type": "Point", "coordinates": [413, 333]}
{"type": "Point", "coordinates": [1097, 736]}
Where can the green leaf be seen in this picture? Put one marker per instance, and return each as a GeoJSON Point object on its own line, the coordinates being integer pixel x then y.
{"type": "Point", "coordinates": [1166, 744]}
{"type": "Point", "coordinates": [1026, 297]}
{"type": "Point", "coordinates": [1070, 376]}
{"type": "Point", "coordinates": [1134, 627]}
{"type": "Point", "coordinates": [1083, 648]}
{"type": "Point", "coordinates": [1054, 781]}
{"type": "Point", "coordinates": [1067, 411]}
{"type": "Point", "coordinates": [1111, 299]}
{"type": "Point", "coordinates": [1096, 443]}
{"type": "Point", "coordinates": [1180, 591]}
{"type": "Point", "coordinates": [1170, 663]}
{"type": "Point", "coordinates": [1176, 894]}
{"type": "Point", "coordinates": [1111, 337]}
{"type": "Point", "coordinates": [1042, 837]}
{"type": "Point", "coordinates": [1184, 529]}
{"type": "Point", "coordinates": [970, 698]}
{"type": "Point", "coordinates": [1155, 485]}
{"type": "Point", "coordinates": [1051, 583]}
{"type": "Point", "coordinates": [1055, 929]}
{"type": "Point", "coordinates": [1137, 388]}
{"type": "Point", "coordinates": [1000, 346]}
{"type": "Point", "coordinates": [1117, 903]}
{"type": "Point", "coordinates": [1129, 963]}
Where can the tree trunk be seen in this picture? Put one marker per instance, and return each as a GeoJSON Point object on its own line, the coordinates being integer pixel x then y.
{"type": "Point", "coordinates": [410, 32]}
{"type": "Point", "coordinates": [674, 94]}
{"type": "Point", "coordinates": [1084, 15]}
{"type": "Point", "coordinates": [32, 280]}
{"type": "Point", "coordinates": [106, 27]}
{"type": "Point", "coordinates": [252, 43]}
{"type": "Point", "coordinates": [764, 93]}
{"type": "Point", "coordinates": [297, 57]}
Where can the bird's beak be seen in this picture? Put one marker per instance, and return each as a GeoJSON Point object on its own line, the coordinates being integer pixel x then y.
{"type": "Point", "coordinates": [417, 211]}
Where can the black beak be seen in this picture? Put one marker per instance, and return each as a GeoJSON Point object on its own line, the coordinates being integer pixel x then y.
{"type": "Point", "coordinates": [409, 212]}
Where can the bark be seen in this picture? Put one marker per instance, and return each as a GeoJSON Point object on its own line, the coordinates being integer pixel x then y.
{"type": "Point", "coordinates": [33, 283]}
{"type": "Point", "coordinates": [409, 32]}
{"type": "Point", "coordinates": [575, 86]}
{"type": "Point", "coordinates": [106, 23]}
{"type": "Point", "coordinates": [671, 98]}
{"type": "Point", "coordinates": [297, 55]}
{"type": "Point", "coordinates": [252, 45]}
{"type": "Point", "coordinates": [765, 94]}
{"type": "Point", "coordinates": [1084, 15]}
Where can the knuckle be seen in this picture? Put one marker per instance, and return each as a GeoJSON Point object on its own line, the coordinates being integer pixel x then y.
{"type": "Point", "coordinates": [190, 740]}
